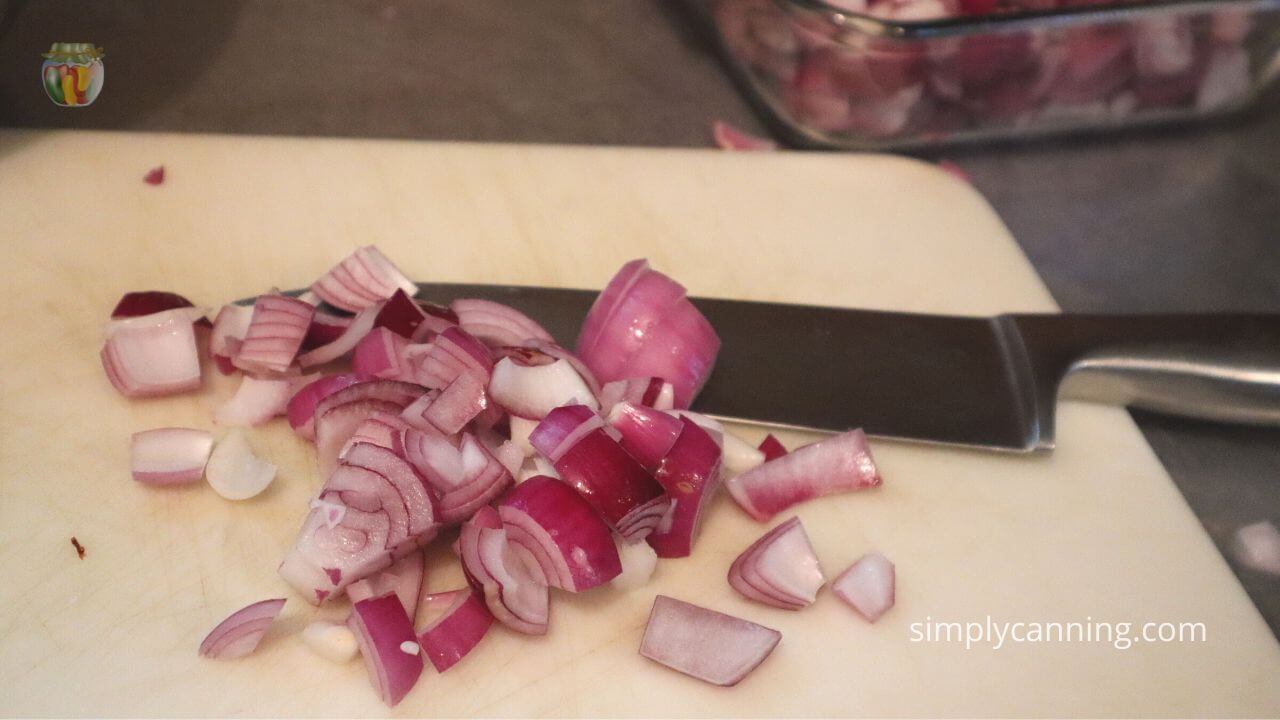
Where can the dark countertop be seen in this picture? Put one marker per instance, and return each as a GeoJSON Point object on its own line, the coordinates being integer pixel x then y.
{"type": "Point", "coordinates": [1161, 220]}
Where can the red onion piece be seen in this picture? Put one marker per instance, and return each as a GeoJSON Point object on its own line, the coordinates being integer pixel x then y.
{"type": "Point", "coordinates": [148, 302]}
{"type": "Point", "coordinates": [258, 399]}
{"type": "Point", "coordinates": [380, 354]}
{"type": "Point", "coordinates": [496, 324]}
{"type": "Point", "coordinates": [463, 478]}
{"type": "Point", "coordinates": [325, 328]}
{"type": "Point", "coordinates": [593, 463]}
{"type": "Point", "coordinates": [651, 392]}
{"type": "Point", "coordinates": [1257, 547]}
{"type": "Point", "coordinates": [154, 176]}
{"type": "Point", "coordinates": [532, 391]}
{"type": "Point", "coordinates": [868, 586]}
{"type": "Point", "coordinates": [169, 456]}
{"type": "Point", "coordinates": [453, 353]}
{"type": "Point", "coordinates": [509, 577]}
{"type": "Point", "coordinates": [772, 447]}
{"type": "Point", "coordinates": [644, 519]}
{"type": "Point", "coordinates": [840, 463]}
{"type": "Point", "coordinates": [739, 456]}
{"type": "Point", "coordinates": [338, 415]}
{"type": "Point", "coordinates": [276, 330]}
{"type": "Point", "coordinates": [346, 342]}
{"type": "Point", "coordinates": [690, 474]}
{"type": "Point", "coordinates": [301, 408]}
{"type": "Point", "coordinates": [153, 354]}
{"type": "Point", "coordinates": [361, 280]}
{"type": "Point", "coordinates": [241, 632]}
{"type": "Point", "coordinates": [643, 325]}
{"type": "Point", "coordinates": [381, 626]}
{"type": "Point", "coordinates": [708, 645]}
{"type": "Point", "coordinates": [400, 315]}
{"type": "Point", "coordinates": [560, 353]}
{"type": "Point", "coordinates": [404, 578]}
{"type": "Point", "coordinates": [728, 137]}
{"type": "Point", "coordinates": [408, 484]}
{"type": "Point", "coordinates": [438, 319]}
{"type": "Point", "coordinates": [638, 563]}
{"type": "Point", "coordinates": [386, 430]}
{"type": "Point", "coordinates": [647, 434]}
{"type": "Point", "coordinates": [234, 472]}
{"type": "Point", "coordinates": [458, 404]}
{"type": "Point", "coordinates": [571, 544]}
{"type": "Point", "coordinates": [779, 569]}
{"type": "Point", "coordinates": [229, 328]}
{"type": "Point", "coordinates": [461, 627]}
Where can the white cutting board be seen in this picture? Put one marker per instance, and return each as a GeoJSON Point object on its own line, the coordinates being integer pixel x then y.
{"type": "Point", "coordinates": [1096, 530]}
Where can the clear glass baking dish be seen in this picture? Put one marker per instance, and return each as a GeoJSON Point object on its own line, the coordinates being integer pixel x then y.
{"type": "Point", "coordinates": [912, 74]}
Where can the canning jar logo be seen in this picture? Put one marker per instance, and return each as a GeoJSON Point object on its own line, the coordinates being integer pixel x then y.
{"type": "Point", "coordinates": [73, 73]}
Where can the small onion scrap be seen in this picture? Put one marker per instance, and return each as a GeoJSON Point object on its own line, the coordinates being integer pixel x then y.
{"type": "Point", "coordinates": [240, 633]}
{"type": "Point", "coordinates": [772, 448]}
{"type": "Point", "coordinates": [169, 456]}
{"type": "Point", "coordinates": [840, 463]}
{"type": "Point", "coordinates": [868, 586]}
{"type": "Point", "coordinates": [779, 569]}
{"type": "Point", "coordinates": [711, 646]}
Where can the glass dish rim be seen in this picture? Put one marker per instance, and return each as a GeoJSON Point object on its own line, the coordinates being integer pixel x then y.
{"type": "Point", "coordinates": [1011, 21]}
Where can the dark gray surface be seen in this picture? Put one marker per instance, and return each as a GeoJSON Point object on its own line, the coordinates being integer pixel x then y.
{"type": "Point", "coordinates": [1156, 221]}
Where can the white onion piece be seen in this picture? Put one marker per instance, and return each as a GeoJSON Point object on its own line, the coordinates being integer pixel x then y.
{"type": "Point", "coordinates": [739, 455]}
{"type": "Point", "coordinates": [708, 645]}
{"type": "Point", "coordinates": [331, 641]}
{"type": "Point", "coordinates": [234, 472]}
{"type": "Point", "coordinates": [241, 632]}
{"type": "Point", "coordinates": [532, 391]}
{"type": "Point", "coordinates": [169, 456]}
{"type": "Point", "coordinates": [779, 569]}
{"type": "Point", "coordinates": [868, 586]}
{"type": "Point", "coordinates": [841, 463]}
{"type": "Point", "coordinates": [638, 563]}
{"type": "Point", "coordinates": [1258, 547]}
{"type": "Point", "coordinates": [535, 466]}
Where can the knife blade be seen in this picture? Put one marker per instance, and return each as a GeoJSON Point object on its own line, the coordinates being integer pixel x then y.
{"type": "Point", "coordinates": [980, 382]}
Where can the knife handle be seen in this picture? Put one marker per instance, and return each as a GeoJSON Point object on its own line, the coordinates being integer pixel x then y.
{"type": "Point", "coordinates": [1215, 367]}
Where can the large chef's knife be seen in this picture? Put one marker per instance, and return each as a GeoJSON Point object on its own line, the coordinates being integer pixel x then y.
{"type": "Point", "coordinates": [973, 381]}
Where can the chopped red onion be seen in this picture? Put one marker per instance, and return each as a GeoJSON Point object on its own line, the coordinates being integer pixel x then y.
{"type": "Point", "coordinates": [840, 463]}
{"type": "Point", "coordinates": [690, 474]}
{"type": "Point", "coordinates": [651, 392]}
{"type": "Point", "coordinates": [400, 315]}
{"type": "Point", "coordinates": [154, 176]}
{"type": "Point", "coordinates": [708, 645]}
{"type": "Point", "coordinates": [463, 478]}
{"type": "Point", "coordinates": [559, 353]}
{"type": "Point", "coordinates": [593, 463]}
{"type": "Point", "coordinates": [1258, 547]}
{"type": "Point", "coordinates": [229, 328]}
{"type": "Point", "coordinates": [362, 280]}
{"type": "Point", "coordinates": [169, 456]}
{"type": "Point", "coordinates": [644, 519]}
{"type": "Point", "coordinates": [868, 586]}
{"type": "Point", "coordinates": [535, 466]}
{"type": "Point", "coordinates": [153, 354]}
{"type": "Point", "coordinates": [772, 447]}
{"type": "Point", "coordinates": [638, 563]}
{"type": "Point", "coordinates": [325, 328]}
{"type": "Point", "coordinates": [496, 324]}
{"type": "Point", "coordinates": [338, 415]}
{"type": "Point", "coordinates": [330, 641]}
{"type": "Point", "coordinates": [438, 319]}
{"type": "Point", "coordinates": [728, 137]}
{"type": "Point", "coordinates": [643, 325]}
{"type": "Point", "coordinates": [258, 399]}
{"type": "Point", "coordinates": [562, 532]}
{"type": "Point", "coordinates": [381, 355]}
{"type": "Point", "coordinates": [241, 632]}
{"type": "Point", "coordinates": [532, 391]}
{"type": "Point", "coordinates": [452, 353]}
{"type": "Point", "coordinates": [512, 583]}
{"type": "Point", "coordinates": [149, 302]}
{"type": "Point", "coordinates": [779, 569]}
{"type": "Point", "coordinates": [458, 404]}
{"type": "Point", "coordinates": [739, 456]}
{"type": "Point", "coordinates": [647, 434]}
{"type": "Point", "coordinates": [276, 330]}
{"type": "Point", "coordinates": [360, 326]}
{"type": "Point", "coordinates": [457, 631]}
{"type": "Point", "coordinates": [404, 578]}
{"type": "Point", "coordinates": [234, 472]}
{"type": "Point", "coordinates": [301, 409]}
{"type": "Point", "coordinates": [414, 496]}
{"type": "Point", "coordinates": [386, 430]}
{"type": "Point", "coordinates": [381, 626]}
